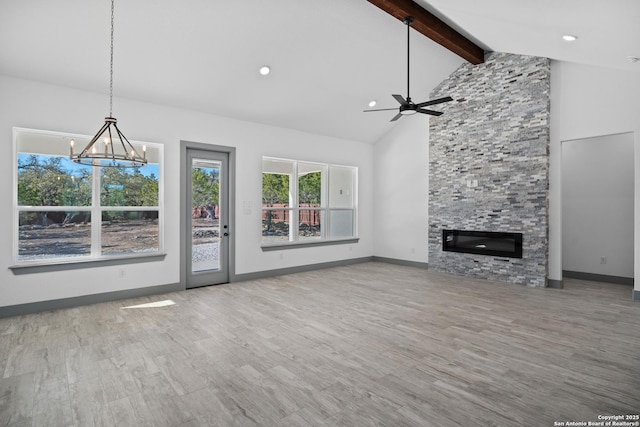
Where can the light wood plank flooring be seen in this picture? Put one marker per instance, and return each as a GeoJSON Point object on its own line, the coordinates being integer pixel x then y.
{"type": "Point", "coordinates": [371, 344]}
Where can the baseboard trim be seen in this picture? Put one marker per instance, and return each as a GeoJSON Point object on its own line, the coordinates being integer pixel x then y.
{"type": "Point", "coordinates": [403, 262]}
{"type": "Point", "coordinates": [40, 306]}
{"type": "Point", "coordinates": [598, 277]}
{"type": "Point", "coordinates": [555, 284]}
{"type": "Point", "coordinates": [298, 269]}
{"type": "Point", "coordinates": [635, 296]}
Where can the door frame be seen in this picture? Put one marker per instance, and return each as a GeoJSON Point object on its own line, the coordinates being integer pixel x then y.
{"type": "Point", "coordinates": [563, 215]}
{"type": "Point", "coordinates": [184, 233]}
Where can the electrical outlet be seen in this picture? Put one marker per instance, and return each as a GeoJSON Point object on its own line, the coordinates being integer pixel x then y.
{"type": "Point", "coordinates": [122, 273]}
{"type": "Point", "coordinates": [413, 250]}
{"type": "Point", "coordinates": [603, 260]}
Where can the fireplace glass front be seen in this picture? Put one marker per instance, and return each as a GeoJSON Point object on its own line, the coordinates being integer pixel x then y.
{"type": "Point", "coordinates": [483, 243]}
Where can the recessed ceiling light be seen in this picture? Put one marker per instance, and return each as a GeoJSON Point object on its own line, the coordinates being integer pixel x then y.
{"type": "Point", "coordinates": [569, 38]}
{"type": "Point", "coordinates": [265, 70]}
{"type": "Point", "coordinates": [372, 103]}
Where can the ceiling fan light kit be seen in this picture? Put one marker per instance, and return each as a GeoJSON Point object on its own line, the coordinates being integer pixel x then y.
{"type": "Point", "coordinates": [407, 106]}
{"type": "Point", "coordinates": [264, 70]}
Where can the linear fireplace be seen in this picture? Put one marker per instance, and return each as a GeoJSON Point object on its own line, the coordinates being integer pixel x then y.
{"type": "Point", "coordinates": [483, 243]}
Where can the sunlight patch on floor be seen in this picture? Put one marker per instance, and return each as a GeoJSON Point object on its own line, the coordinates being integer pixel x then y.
{"type": "Point", "coordinates": [155, 304]}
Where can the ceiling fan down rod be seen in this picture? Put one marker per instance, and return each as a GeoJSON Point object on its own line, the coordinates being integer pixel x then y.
{"type": "Point", "coordinates": [408, 21]}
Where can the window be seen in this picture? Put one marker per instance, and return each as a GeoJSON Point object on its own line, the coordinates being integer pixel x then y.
{"type": "Point", "coordinates": [306, 202]}
{"type": "Point", "coordinates": [70, 212]}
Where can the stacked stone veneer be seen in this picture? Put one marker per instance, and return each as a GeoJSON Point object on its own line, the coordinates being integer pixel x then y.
{"type": "Point", "coordinates": [495, 132]}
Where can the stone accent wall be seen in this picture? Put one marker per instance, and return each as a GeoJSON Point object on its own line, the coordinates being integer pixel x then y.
{"type": "Point", "coordinates": [496, 134]}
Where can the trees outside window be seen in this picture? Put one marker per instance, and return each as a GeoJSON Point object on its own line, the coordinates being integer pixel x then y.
{"type": "Point", "coordinates": [302, 209]}
{"type": "Point", "coordinates": [205, 190]}
{"type": "Point", "coordinates": [66, 210]}
{"type": "Point", "coordinates": [275, 194]}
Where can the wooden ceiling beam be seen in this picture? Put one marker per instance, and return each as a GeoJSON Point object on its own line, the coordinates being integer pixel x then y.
{"type": "Point", "coordinates": [433, 27]}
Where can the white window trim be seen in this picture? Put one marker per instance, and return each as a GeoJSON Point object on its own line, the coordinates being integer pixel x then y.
{"type": "Point", "coordinates": [96, 212]}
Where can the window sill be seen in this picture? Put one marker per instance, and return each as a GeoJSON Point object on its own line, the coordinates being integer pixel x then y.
{"type": "Point", "coordinates": [62, 265]}
{"type": "Point", "coordinates": [308, 244]}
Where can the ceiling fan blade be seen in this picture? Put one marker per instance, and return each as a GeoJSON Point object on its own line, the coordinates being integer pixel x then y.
{"type": "Point", "coordinates": [429, 112]}
{"type": "Point", "coordinates": [382, 109]}
{"type": "Point", "coordinates": [435, 101]}
{"type": "Point", "coordinates": [396, 117]}
{"type": "Point", "coordinates": [400, 99]}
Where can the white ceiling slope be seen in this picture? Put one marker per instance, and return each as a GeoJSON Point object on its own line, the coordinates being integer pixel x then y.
{"type": "Point", "coordinates": [608, 31]}
{"type": "Point", "coordinates": [329, 58]}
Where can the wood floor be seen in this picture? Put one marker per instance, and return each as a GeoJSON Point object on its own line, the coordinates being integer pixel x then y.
{"type": "Point", "coordinates": [371, 344]}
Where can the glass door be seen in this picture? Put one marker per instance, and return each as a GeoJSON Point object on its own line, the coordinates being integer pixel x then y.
{"type": "Point", "coordinates": [207, 212]}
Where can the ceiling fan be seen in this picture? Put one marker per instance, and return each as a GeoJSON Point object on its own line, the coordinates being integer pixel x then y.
{"type": "Point", "coordinates": [407, 106]}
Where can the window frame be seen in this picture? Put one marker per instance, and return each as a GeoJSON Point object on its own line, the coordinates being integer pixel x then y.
{"type": "Point", "coordinates": [96, 210]}
{"type": "Point", "coordinates": [294, 209]}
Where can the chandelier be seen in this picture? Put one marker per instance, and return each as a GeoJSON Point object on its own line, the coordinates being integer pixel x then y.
{"type": "Point", "coordinates": [109, 147]}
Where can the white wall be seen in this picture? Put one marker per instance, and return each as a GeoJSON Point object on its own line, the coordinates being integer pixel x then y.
{"type": "Point", "coordinates": [585, 102]}
{"type": "Point", "coordinates": [597, 205]}
{"type": "Point", "coordinates": [401, 191]}
{"type": "Point", "coordinates": [40, 106]}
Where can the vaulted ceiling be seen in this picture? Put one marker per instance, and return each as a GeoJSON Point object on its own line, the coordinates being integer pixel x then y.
{"type": "Point", "coordinates": [329, 58]}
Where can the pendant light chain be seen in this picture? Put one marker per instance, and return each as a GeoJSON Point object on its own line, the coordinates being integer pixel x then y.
{"type": "Point", "coordinates": [111, 66]}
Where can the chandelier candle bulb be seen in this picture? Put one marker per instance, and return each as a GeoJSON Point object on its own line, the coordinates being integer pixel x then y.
{"type": "Point", "coordinates": [71, 147]}
{"type": "Point", "coordinates": [144, 152]}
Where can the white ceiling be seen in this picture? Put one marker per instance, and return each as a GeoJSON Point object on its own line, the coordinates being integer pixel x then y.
{"type": "Point", "coordinates": [608, 31]}
{"type": "Point", "coordinates": [329, 58]}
